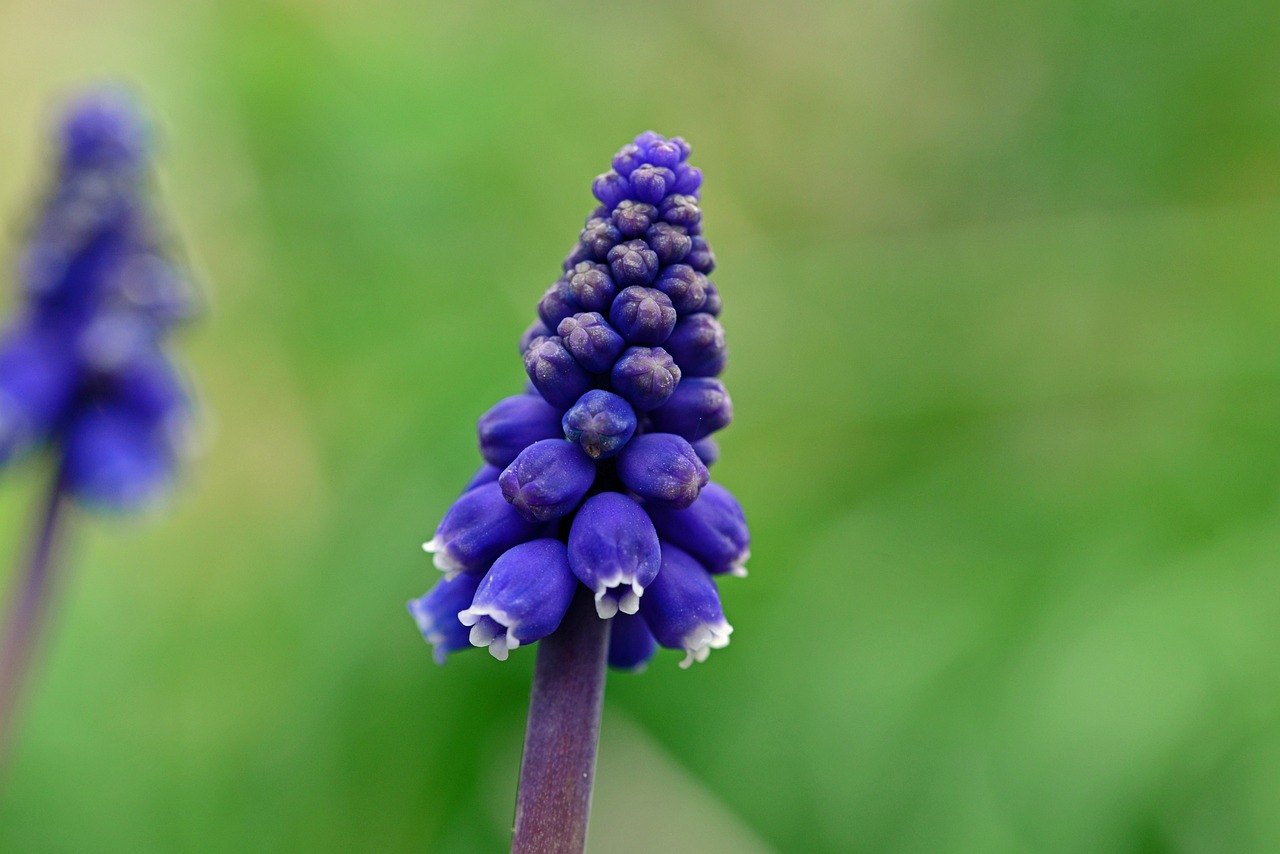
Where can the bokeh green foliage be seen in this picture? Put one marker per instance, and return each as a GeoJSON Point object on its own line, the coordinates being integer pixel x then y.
{"type": "Point", "coordinates": [1001, 286]}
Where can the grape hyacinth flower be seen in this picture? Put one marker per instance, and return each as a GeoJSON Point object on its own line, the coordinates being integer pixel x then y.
{"type": "Point", "coordinates": [593, 527]}
{"type": "Point", "coordinates": [83, 372]}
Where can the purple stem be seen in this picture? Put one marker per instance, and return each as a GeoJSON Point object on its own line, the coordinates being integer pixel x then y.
{"type": "Point", "coordinates": [23, 622]}
{"type": "Point", "coordinates": [564, 728]}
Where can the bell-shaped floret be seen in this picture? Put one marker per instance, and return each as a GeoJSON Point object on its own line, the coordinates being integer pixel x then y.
{"type": "Point", "coordinates": [513, 424]}
{"type": "Point", "coordinates": [555, 373]}
{"type": "Point", "coordinates": [436, 614]}
{"type": "Point", "coordinates": [713, 529]}
{"type": "Point", "coordinates": [697, 408]}
{"type": "Point", "coordinates": [683, 607]}
{"type": "Point", "coordinates": [548, 479]}
{"type": "Point", "coordinates": [601, 423]}
{"type": "Point", "coordinates": [613, 549]}
{"type": "Point", "coordinates": [662, 468]}
{"type": "Point", "coordinates": [522, 598]}
{"type": "Point", "coordinates": [478, 527]}
{"type": "Point", "coordinates": [643, 316]}
{"type": "Point", "coordinates": [631, 644]}
{"type": "Point", "coordinates": [697, 345]}
{"type": "Point", "coordinates": [646, 377]}
{"type": "Point", "coordinates": [591, 340]}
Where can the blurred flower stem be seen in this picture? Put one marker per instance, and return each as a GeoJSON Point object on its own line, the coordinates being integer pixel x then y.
{"type": "Point", "coordinates": [559, 762]}
{"type": "Point", "coordinates": [32, 589]}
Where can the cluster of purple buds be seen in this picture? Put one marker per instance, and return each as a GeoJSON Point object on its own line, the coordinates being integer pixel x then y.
{"type": "Point", "coordinates": [597, 475]}
{"type": "Point", "coordinates": [82, 369]}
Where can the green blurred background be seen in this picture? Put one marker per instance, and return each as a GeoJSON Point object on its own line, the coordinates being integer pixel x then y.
{"type": "Point", "coordinates": [1001, 284]}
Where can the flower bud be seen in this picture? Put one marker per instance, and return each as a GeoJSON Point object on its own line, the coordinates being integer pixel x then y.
{"type": "Point", "coordinates": [601, 423]}
{"type": "Point", "coordinates": [708, 450]}
{"type": "Point", "coordinates": [436, 614]}
{"type": "Point", "coordinates": [487, 473]}
{"type": "Point", "coordinates": [670, 242]}
{"type": "Point", "coordinates": [712, 529]}
{"type": "Point", "coordinates": [697, 408]}
{"type": "Point", "coordinates": [557, 304]}
{"type": "Point", "coordinates": [592, 287]}
{"type": "Point", "coordinates": [701, 257]}
{"type": "Point", "coordinates": [634, 218]}
{"type": "Point", "coordinates": [514, 423]}
{"type": "Point", "coordinates": [643, 316]}
{"type": "Point", "coordinates": [548, 479]}
{"type": "Point", "coordinates": [680, 209]}
{"type": "Point", "coordinates": [613, 549]}
{"type": "Point", "coordinates": [684, 286]}
{"type": "Point", "coordinates": [576, 256]}
{"type": "Point", "coordinates": [650, 183]}
{"type": "Point", "coordinates": [610, 188]}
{"type": "Point", "coordinates": [37, 381]}
{"type": "Point", "coordinates": [683, 607]}
{"type": "Point", "coordinates": [662, 469]}
{"type": "Point", "coordinates": [713, 304]}
{"type": "Point", "coordinates": [478, 527]}
{"type": "Point", "coordinates": [591, 340]}
{"type": "Point", "coordinates": [627, 159]}
{"type": "Point", "coordinates": [536, 330]}
{"type": "Point", "coordinates": [555, 373]}
{"type": "Point", "coordinates": [688, 180]}
{"type": "Point", "coordinates": [633, 263]}
{"type": "Point", "coordinates": [522, 598]}
{"type": "Point", "coordinates": [697, 345]}
{"type": "Point", "coordinates": [114, 458]}
{"type": "Point", "coordinates": [645, 377]}
{"type": "Point", "coordinates": [599, 236]}
{"type": "Point", "coordinates": [631, 644]}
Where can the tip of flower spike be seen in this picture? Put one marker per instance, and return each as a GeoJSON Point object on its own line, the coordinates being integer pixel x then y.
{"type": "Point", "coordinates": [706, 637]}
{"type": "Point", "coordinates": [104, 126]}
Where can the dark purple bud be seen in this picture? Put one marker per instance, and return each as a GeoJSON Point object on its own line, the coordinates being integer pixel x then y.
{"type": "Point", "coordinates": [555, 373]}
{"type": "Point", "coordinates": [662, 469]}
{"type": "Point", "coordinates": [599, 236]}
{"type": "Point", "coordinates": [627, 159]}
{"type": "Point", "coordinates": [713, 305]}
{"type": "Point", "coordinates": [683, 145]}
{"type": "Point", "coordinates": [700, 257]}
{"type": "Point", "coordinates": [592, 341]}
{"type": "Point", "coordinates": [537, 329]}
{"type": "Point", "coordinates": [643, 316]}
{"type": "Point", "coordinates": [610, 188]}
{"type": "Point", "coordinates": [634, 218]}
{"type": "Point", "coordinates": [699, 407]}
{"type": "Point", "coordinates": [613, 549]}
{"type": "Point", "coordinates": [633, 263]}
{"type": "Point", "coordinates": [680, 210]}
{"type": "Point", "coordinates": [708, 450]}
{"type": "Point", "coordinates": [645, 377]}
{"type": "Point", "coordinates": [514, 423]}
{"type": "Point", "coordinates": [665, 153]}
{"type": "Point", "coordinates": [548, 479]}
{"type": "Point", "coordinates": [592, 287]}
{"type": "Point", "coordinates": [650, 183]}
{"type": "Point", "coordinates": [436, 614]}
{"type": "Point", "coordinates": [688, 179]}
{"type": "Point", "coordinates": [104, 128]}
{"type": "Point", "coordinates": [557, 304]}
{"type": "Point", "coordinates": [697, 345]}
{"type": "Point", "coordinates": [522, 598]}
{"type": "Point", "coordinates": [601, 423]}
{"type": "Point", "coordinates": [577, 255]}
{"type": "Point", "coordinates": [631, 644]}
{"type": "Point", "coordinates": [646, 139]}
{"type": "Point", "coordinates": [712, 529]}
{"type": "Point", "coordinates": [478, 527]}
{"type": "Point", "coordinates": [114, 459]}
{"type": "Point", "coordinates": [683, 607]}
{"type": "Point", "coordinates": [670, 242]}
{"type": "Point", "coordinates": [684, 286]}
{"type": "Point", "coordinates": [487, 473]}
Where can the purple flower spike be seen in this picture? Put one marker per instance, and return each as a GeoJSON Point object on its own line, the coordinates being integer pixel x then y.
{"type": "Point", "coordinates": [548, 479]}
{"type": "Point", "coordinates": [634, 218]}
{"type": "Point", "coordinates": [631, 644]}
{"type": "Point", "coordinates": [680, 210]}
{"type": "Point", "coordinates": [633, 263]}
{"type": "Point", "coordinates": [611, 188]}
{"type": "Point", "coordinates": [522, 598]}
{"type": "Point", "coordinates": [591, 340]}
{"type": "Point", "coordinates": [436, 614]}
{"type": "Point", "coordinates": [684, 286]}
{"type": "Point", "coordinates": [697, 345]}
{"type": "Point", "coordinates": [478, 527]}
{"type": "Point", "coordinates": [683, 607]}
{"type": "Point", "coordinates": [613, 549]}
{"type": "Point", "coordinates": [650, 183]}
{"type": "Point", "coordinates": [699, 407]}
{"type": "Point", "coordinates": [663, 469]}
{"type": "Point", "coordinates": [646, 377]}
{"type": "Point", "coordinates": [514, 423]}
{"type": "Point", "coordinates": [555, 373]}
{"type": "Point", "coordinates": [643, 316]}
{"type": "Point", "coordinates": [592, 287]}
{"type": "Point", "coordinates": [557, 304]}
{"type": "Point", "coordinates": [712, 529]}
{"type": "Point", "coordinates": [600, 236]}
{"type": "Point", "coordinates": [601, 423]}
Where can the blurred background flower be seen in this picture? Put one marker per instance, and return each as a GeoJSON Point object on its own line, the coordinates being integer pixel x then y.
{"type": "Point", "coordinates": [1003, 320]}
